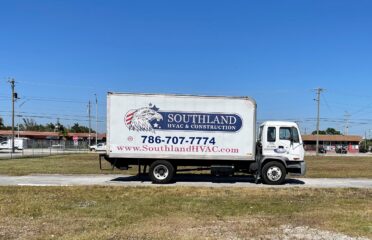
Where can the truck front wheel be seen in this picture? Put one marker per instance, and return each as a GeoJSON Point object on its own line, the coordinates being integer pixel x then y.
{"type": "Point", "coordinates": [273, 173]}
{"type": "Point", "coordinates": [161, 171]}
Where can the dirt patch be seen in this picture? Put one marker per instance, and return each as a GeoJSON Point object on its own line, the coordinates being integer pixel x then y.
{"type": "Point", "coordinates": [232, 229]}
{"type": "Point", "coordinates": [288, 232]}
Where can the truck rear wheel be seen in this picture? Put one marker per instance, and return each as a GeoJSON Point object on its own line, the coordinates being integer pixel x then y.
{"type": "Point", "coordinates": [273, 173]}
{"type": "Point", "coordinates": [161, 171]}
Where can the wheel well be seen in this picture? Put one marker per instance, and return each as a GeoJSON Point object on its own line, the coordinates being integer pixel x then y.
{"type": "Point", "coordinates": [266, 161]}
{"type": "Point", "coordinates": [168, 160]}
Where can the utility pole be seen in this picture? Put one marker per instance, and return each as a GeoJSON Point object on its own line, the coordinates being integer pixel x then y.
{"type": "Point", "coordinates": [14, 97]}
{"type": "Point", "coordinates": [365, 140]}
{"type": "Point", "coordinates": [89, 123]}
{"type": "Point", "coordinates": [346, 130]}
{"type": "Point", "coordinates": [96, 119]}
{"type": "Point", "coordinates": [318, 91]}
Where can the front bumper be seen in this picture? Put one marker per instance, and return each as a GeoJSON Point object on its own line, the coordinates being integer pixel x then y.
{"type": "Point", "coordinates": [296, 167]}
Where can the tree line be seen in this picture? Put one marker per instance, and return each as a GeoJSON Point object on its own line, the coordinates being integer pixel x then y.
{"type": "Point", "coordinates": [328, 131]}
{"type": "Point", "coordinates": [29, 124]}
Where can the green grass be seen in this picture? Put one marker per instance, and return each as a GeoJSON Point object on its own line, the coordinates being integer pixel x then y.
{"type": "Point", "coordinates": [177, 212]}
{"type": "Point", "coordinates": [84, 163]}
{"type": "Point", "coordinates": [87, 163]}
{"type": "Point", "coordinates": [339, 167]}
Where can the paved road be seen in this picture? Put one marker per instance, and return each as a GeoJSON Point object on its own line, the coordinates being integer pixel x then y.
{"type": "Point", "coordinates": [181, 180]}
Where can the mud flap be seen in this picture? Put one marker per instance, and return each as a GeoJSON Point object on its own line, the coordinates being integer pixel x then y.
{"type": "Point", "coordinates": [104, 156]}
{"type": "Point", "coordinates": [257, 176]}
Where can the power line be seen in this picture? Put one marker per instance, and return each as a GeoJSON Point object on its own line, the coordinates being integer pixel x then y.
{"type": "Point", "coordinates": [51, 114]}
{"type": "Point", "coordinates": [326, 103]}
{"type": "Point", "coordinates": [46, 99]}
{"type": "Point", "coordinates": [53, 117]}
{"type": "Point", "coordinates": [56, 85]}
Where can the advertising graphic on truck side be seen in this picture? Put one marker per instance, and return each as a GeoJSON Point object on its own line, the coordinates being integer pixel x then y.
{"type": "Point", "coordinates": [181, 127]}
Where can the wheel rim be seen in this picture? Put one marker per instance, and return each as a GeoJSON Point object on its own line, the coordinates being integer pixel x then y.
{"type": "Point", "coordinates": [274, 173]}
{"type": "Point", "coordinates": [161, 172]}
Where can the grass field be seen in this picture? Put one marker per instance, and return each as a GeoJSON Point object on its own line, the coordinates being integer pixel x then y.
{"type": "Point", "coordinates": [324, 166]}
{"type": "Point", "coordinates": [84, 163]}
{"type": "Point", "coordinates": [344, 167]}
{"type": "Point", "coordinates": [94, 212]}
{"type": "Point", "coordinates": [178, 212]}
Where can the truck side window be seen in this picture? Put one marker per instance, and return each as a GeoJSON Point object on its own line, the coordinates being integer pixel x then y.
{"type": "Point", "coordinates": [271, 134]}
{"type": "Point", "coordinates": [295, 135]}
{"type": "Point", "coordinates": [285, 133]}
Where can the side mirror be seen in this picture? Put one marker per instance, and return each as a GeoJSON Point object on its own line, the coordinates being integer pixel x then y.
{"type": "Point", "coordinates": [291, 139]}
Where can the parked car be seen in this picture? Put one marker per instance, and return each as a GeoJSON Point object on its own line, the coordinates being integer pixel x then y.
{"type": "Point", "coordinates": [98, 147]}
{"type": "Point", "coordinates": [342, 149]}
{"type": "Point", "coordinates": [321, 149]}
{"type": "Point", "coordinates": [60, 146]}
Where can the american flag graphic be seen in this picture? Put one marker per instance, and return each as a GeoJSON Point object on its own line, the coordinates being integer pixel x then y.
{"type": "Point", "coordinates": [129, 117]}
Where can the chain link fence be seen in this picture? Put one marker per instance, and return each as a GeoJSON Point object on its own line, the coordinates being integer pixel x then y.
{"type": "Point", "coordinates": [41, 147]}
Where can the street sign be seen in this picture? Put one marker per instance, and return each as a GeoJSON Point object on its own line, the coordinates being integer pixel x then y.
{"type": "Point", "coordinates": [76, 140]}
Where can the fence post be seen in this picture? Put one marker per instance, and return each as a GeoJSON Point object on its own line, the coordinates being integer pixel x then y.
{"type": "Point", "coordinates": [33, 148]}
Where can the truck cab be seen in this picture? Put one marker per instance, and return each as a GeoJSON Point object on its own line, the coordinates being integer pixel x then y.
{"type": "Point", "coordinates": [280, 146]}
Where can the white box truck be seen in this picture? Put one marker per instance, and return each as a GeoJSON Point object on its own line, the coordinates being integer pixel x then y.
{"type": "Point", "coordinates": [19, 143]}
{"type": "Point", "coordinates": [171, 132]}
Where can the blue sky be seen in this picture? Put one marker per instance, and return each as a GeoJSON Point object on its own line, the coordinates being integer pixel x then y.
{"type": "Point", "coordinates": [62, 52]}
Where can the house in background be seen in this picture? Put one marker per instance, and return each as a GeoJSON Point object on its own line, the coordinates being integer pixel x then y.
{"type": "Point", "coordinates": [330, 142]}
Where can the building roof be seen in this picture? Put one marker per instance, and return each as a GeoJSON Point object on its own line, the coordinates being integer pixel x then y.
{"type": "Point", "coordinates": [333, 138]}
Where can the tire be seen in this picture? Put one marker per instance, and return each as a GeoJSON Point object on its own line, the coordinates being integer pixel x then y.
{"type": "Point", "coordinates": [273, 173]}
{"type": "Point", "coordinates": [161, 172]}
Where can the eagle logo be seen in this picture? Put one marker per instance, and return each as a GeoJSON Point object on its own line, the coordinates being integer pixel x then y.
{"type": "Point", "coordinates": [140, 119]}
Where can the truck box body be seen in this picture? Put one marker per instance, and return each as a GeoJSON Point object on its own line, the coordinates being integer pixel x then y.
{"type": "Point", "coordinates": [19, 143]}
{"type": "Point", "coordinates": [180, 127]}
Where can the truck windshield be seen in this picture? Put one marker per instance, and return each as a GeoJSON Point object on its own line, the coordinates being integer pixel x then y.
{"type": "Point", "coordinates": [289, 133]}
{"type": "Point", "coordinates": [295, 135]}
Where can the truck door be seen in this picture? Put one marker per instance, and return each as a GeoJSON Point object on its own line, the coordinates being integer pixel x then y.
{"type": "Point", "coordinates": [289, 142]}
{"type": "Point", "coordinates": [270, 143]}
